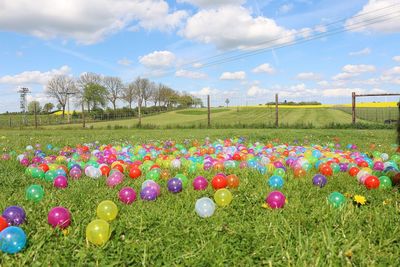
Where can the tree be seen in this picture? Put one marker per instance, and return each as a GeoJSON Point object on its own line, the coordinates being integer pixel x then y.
{"type": "Point", "coordinates": [227, 102]}
{"type": "Point", "coordinates": [60, 87]}
{"type": "Point", "coordinates": [148, 91]}
{"type": "Point", "coordinates": [83, 82]}
{"type": "Point", "coordinates": [34, 107]}
{"type": "Point", "coordinates": [95, 95]}
{"type": "Point", "coordinates": [139, 86]}
{"type": "Point", "coordinates": [48, 107]}
{"type": "Point", "coordinates": [114, 88]}
{"type": "Point", "coordinates": [198, 102]}
{"type": "Point", "coordinates": [128, 94]}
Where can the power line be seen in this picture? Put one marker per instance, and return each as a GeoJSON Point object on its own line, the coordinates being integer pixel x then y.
{"type": "Point", "coordinates": [298, 33]}
{"type": "Point", "coordinates": [354, 26]}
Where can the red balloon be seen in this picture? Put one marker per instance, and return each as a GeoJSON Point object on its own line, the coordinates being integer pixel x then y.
{"type": "Point", "coordinates": [353, 171]}
{"type": "Point", "coordinates": [236, 156]}
{"type": "Point", "coordinates": [3, 223]}
{"type": "Point", "coordinates": [119, 167]}
{"type": "Point", "coordinates": [147, 158]}
{"type": "Point", "coordinates": [219, 182]}
{"type": "Point", "coordinates": [372, 182]}
{"type": "Point", "coordinates": [105, 170]}
{"type": "Point", "coordinates": [363, 164]}
{"type": "Point", "coordinates": [44, 167]}
{"type": "Point", "coordinates": [135, 173]}
{"type": "Point", "coordinates": [326, 170]}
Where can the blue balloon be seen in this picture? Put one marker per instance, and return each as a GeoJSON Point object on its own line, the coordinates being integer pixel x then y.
{"type": "Point", "coordinates": [275, 181]}
{"type": "Point", "coordinates": [12, 240]}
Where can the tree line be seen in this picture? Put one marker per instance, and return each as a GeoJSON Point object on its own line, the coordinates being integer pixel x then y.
{"type": "Point", "coordinates": [92, 91]}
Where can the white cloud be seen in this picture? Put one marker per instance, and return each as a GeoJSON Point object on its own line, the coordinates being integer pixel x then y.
{"type": "Point", "coordinates": [124, 62]}
{"type": "Point", "coordinates": [323, 83]}
{"type": "Point", "coordinates": [206, 91]}
{"type": "Point", "coordinates": [308, 76]}
{"type": "Point", "coordinates": [393, 71]}
{"type": "Point", "coordinates": [34, 77]}
{"type": "Point", "coordinates": [197, 65]}
{"type": "Point", "coordinates": [337, 92]}
{"type": "Point", "coordinates": [235, 27]}
{"type": "Point", "coordinates": [238, 75]}
{"type": "Point", "coordinates": [362, 52]}
{"type": "Point", "coordinates": [255, 90]}
{"type": "Point", "coordinates": [344, 76]}
{"type": "Point", "coordinates": [190, 74]}
{"type": "Point", "coordinates": [320, 28]}
{"type": "Point", "coordinates": [283, 9]}
{"type": "Point", "coordinates": [396, 58]}
{"type": "Point", "coordinates": [305, 33]}
{"type": "Point", "coordinates": [359, 68]}
{"type": "Point", "coordinates": [88, 21]}
{"type": "Point", "coordinates": [264, 68]}
{"type": "Point", "coordinates": [212, 3]}
{"type": "Point", "coordinates": [381, 13]}
{"type": "Point", "coordinates": [158, 59]}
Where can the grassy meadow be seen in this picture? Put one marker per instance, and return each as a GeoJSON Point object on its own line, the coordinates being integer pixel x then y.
{"type": "Point", "coordinates": [306, 232]}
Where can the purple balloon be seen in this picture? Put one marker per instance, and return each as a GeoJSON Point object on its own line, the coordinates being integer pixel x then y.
{"type": "Point", "coordinates": [127, 195]}
{"type": "Point", "coordinates": [14, 215]}
{"type": "Point", "coordinates": [343, 167]}
{"type": "Point", "coordinates": [148, 193]}
{"type": "Point", "coordinates": [60, 182]}
{"type": "Point", "coordinates": [59, 217]}
{"type": "Point", "coordinates": [319, 180]}
{"type": "Point", "coordinates": [174, 185]}
{"type": "Point", "coordinates": [200, 183]}
{"type": "Point", "coordinates": [75, 173]}
{"type": "Point", "coordinates": [276, 200]}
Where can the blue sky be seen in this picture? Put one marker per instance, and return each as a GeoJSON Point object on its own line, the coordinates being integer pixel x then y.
{"type": "Point", "coordinates": [164, 40]}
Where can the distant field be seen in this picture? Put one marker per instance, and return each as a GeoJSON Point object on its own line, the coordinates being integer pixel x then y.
{"type": "Point", "coordinates": [235, 116]}
{"type": "Point", "coordinates": [374, 114]}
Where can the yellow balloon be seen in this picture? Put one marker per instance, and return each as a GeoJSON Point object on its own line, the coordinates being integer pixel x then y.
{"type": "Point", "coordinates": [223, 197]}
{"type": "Point", "coordinates": [107, 210]}
{"type": "Point", "coordinates": [98, 232]}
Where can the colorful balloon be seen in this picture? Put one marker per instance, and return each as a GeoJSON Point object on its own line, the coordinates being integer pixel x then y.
{"type": "Point", "coordinates": [148, 193]}
{"type": "Point", "coordinates": [276, 200]}
{"type": "Point", "coordinates": [200, 183]}
{"type": "Point", "coordinates": [232, 181]}
{"type": "Point", "coordinates": [275, 182]}
{"type": "Point", "coordinates": [34, 193]}
{"type": "Point", "coordinates": [371, 182]}
{"type": "Point", "coordinates": [107, 210]}
{"type": "Point", "coordinates": [385, 182]}
{"type": "Point", "coordinates": [127, 195]}
{"type": "Point", "coordinates": [205, 207]}
{"type": "Point", "coordinates": [14, 215]}
{"type": "Point", "coordinates": [174, 185]}
{"type": "Point", "coordinates": [319, 180]}
{"type": "Point", "coordinates": [219, 182]}
{"type": "Point", "coordinates": [60, 182]}
{"type": "Point", "coordinates": [336, 199]}
{"type": "Point", "coordinates": [223, 197]}
{"type": "Point", "coordinates": [3, 223]}
{"type": "Point", "coordinates": [98, 232]}
{"type": "Point", "coordinates": [12, 240]}
{"type": "Point", "coordinates": [59, 217]}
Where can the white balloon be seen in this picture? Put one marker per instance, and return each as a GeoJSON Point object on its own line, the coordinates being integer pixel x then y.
{"type": "Point", "coordinates": [205, 207]}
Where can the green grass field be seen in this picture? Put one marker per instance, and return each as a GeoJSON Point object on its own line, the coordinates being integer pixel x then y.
{"type": "Point", "coordinates": [233, 117]}
{"type": "Point", "coordinates": [374, 114]}
{"type": "Point", "coordinates": [307, 232]}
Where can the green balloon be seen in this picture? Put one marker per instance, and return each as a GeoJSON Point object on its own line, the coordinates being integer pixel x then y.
{"type": "Point", "coordinates": [183, 178]}
{"type": "Point", "coordinates": [153, 175]}
{"type": "Point", "coordinates": [385, 182]}
{"type": "Point", "coordinates": [34, 193]}
{"type": "Point", "coordinates": [336, 199]}
{"type": "Point", "coordinates": [37, 173]}
{"type": "Point", "coordinates": [50, 175]}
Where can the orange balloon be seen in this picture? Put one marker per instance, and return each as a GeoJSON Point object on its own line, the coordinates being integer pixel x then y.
{"type": "Point", "coordinates": [299, 173]}
{"type": "Point", "coordinates": [233, 181]}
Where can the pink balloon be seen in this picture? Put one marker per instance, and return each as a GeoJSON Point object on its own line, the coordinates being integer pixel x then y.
{"type": "Point", "coordinates": [200, 183]}
{"type": "Point", "coordinates": [59, 217]}
{"type": "Point", "coordinates": [114, 179]}
{"type": "Point", "coordinates": [127, 195]}
{"type": "Point", "coordinates": [60, 182]}
{"type": "Point", "coordinates": [276, 200]}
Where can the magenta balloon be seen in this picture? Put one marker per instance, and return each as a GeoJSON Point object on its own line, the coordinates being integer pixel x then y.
{"type": "Point", "coordinates": [276, 200]}
{"type": "Point", "coordinates": [60, 182]}
{"type": "Point", "coordinates": [114, 179]}
{"type": "Point", "coordinates": [200, 183]}
{"type": "Point", "coordinates": [75, 173]}
{"type": "Point", "coordinates": [127, 195]}
{"type": "Point", "coordinates": [59, 217]}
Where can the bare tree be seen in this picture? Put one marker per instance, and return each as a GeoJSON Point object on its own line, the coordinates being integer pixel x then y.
{"type": "Point", "coordinates": [148, 91]}
{"type": "Point", "coordinates": [140, 85]}
{"type": "Point", "coordinates": [60, 87]}
{"type": "Point", "coordinates": [128, 94]}
{"type": "Point", "coordinates": [114, 88]}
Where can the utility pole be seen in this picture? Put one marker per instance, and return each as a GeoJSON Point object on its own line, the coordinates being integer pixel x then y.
{"type": "Point", "coordinates": [276, 111]}
{"type": "Point", "coordinates": [353, 107]}
{"type": "Point", "coordinates": [208, 112]}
